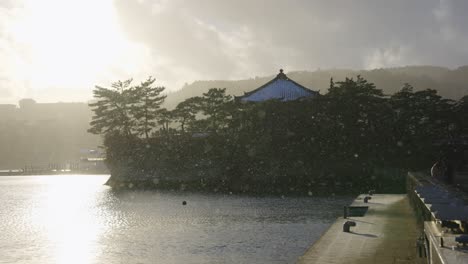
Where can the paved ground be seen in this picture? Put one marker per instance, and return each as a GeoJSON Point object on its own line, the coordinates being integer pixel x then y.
{"type": "Point", "coordinates": [386, 234]}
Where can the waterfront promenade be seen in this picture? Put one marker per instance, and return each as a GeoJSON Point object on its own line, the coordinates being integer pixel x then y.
{"type": "Point", "coordinates": [387, 233]}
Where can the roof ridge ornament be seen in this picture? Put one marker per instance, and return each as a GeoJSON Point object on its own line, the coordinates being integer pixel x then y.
{"type": "Point", "coordinates": [281, 75]}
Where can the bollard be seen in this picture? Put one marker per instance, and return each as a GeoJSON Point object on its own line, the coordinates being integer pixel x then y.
{"type": "Point", "coordinates": [420, 250]}
{"type": "Point", "coordinates": [367, 198]}
{"type": "Point", "coordinates": [345, 212]}
{"type": "Point", "coordinates": [421, 246]}
{"type": "Point", "coordinates": [347, 225]}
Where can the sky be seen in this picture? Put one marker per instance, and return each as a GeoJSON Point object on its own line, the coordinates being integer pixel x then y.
{"type": "Point", "coordinates": [58, 50]}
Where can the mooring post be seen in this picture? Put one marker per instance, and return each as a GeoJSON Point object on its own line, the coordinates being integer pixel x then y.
{"type": "Point", "coordinates": [367, 198]}
{"type": "Point", "coordinates": [347, 226]}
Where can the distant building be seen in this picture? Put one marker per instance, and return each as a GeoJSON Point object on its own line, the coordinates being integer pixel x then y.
{"type": "Point", "coordinates": [26, 103]}
{"type": "Point", "coordinates": [280, 88]}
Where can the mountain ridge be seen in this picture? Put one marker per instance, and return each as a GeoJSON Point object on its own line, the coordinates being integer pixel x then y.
{"type": "Point", "coordinates": [451, 83]}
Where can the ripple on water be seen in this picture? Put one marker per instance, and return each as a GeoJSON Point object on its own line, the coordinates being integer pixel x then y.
{"type": "Point", "coordinates": [76, 219]}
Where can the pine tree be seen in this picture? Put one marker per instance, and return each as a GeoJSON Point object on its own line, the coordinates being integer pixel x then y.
{"type": "Point", "coordinates": [216, 105]}
{"type": "Point", "coordinates": [147, 106]}
{"type": "Point", "coordinates": [112, 109]}
{"type": "Point", "coordinates": [185, 111]}
{"type": "Point", "coordinates": [165, 118]}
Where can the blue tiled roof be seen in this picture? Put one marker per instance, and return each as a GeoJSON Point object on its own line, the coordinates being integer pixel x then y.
{"type": "Point", "coordinates": [280, 88]}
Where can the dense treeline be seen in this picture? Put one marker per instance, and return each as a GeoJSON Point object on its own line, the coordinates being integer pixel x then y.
{"type": "Point", "coordinates": [351, 139]}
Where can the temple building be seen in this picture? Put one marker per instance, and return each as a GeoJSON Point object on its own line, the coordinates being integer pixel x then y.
{"type": "Point", "coordinates": [280, 88]}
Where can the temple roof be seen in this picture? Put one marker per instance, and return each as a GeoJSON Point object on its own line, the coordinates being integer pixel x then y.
{"type": "Point", "coordinates": [280, 88]}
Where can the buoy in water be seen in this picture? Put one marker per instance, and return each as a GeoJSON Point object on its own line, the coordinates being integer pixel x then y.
{"type": "Point", "coordinates": [184, 203]}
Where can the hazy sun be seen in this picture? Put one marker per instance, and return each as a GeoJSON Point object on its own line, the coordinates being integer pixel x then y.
{"type": "Point", "coordinates": [71, 43]}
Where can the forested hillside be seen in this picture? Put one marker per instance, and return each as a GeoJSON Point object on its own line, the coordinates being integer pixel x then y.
{"type": "Point", "coordinates": [41, 134]}
{"type": "Point", "coordinates": [450, 83]}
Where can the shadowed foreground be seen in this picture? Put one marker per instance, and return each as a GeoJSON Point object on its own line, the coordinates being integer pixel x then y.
{"type": "Point", "coordinates": [386, 234]}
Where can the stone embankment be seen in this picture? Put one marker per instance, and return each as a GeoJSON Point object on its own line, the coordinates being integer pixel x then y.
{"type": "Point", "coordinates": [387, 233]}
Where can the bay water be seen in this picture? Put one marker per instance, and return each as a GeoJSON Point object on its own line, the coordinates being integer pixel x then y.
{"type": "Point", "coordinates": [77, 219]}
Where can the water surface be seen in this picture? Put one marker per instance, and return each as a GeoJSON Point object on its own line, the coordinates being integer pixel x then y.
{"type": "Point", "coordinates": [76, 219]}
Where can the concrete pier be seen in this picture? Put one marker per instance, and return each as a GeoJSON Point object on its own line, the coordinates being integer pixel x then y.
{"type": "Point", "coordinates": [387, 233]}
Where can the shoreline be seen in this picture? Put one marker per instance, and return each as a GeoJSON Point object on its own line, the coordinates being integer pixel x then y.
{"type": "Point", "coordinates": [219, 187]}
{"type": "Point", "coordinates": [52, 174]}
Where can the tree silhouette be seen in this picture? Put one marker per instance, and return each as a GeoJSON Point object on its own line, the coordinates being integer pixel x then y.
{"type": "Point", "coordinates": [217, 107]}
{"type": "Point", "coordinates": [186, 111]}
{"type": "Point", "coordinates": [147, 106]}
{"type": "Point", "coordinates": [165, 117]}
{"type": "Point", "coordinates": [112, 110]}
{"type": "Point", "coordinates": [420, 120]}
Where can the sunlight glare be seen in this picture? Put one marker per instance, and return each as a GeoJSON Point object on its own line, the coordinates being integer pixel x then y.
{"type": "Point", "coordinates": [73, 42]}
{"type": "Point", "coordinates": [72, 225]}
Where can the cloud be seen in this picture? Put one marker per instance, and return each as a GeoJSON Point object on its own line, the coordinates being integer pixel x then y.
{"type": "Point", "coordinates": [392, 56]}
{"type": "Point", "coordinates": [5, 92]}
{"type": "Point", "coordinates": [182, 41]}
{"type": "Point", "coordinates": [225, 39]}
{"type": "Point", "coordinates": [58, 50]}
{"type": "Point", "coordinates": [450, 19]}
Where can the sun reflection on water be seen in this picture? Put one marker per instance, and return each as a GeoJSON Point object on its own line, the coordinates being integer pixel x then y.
{"type": "Point", "coordinates": [75, 219]}
{"type": "Point", "coordinates": [69, 218]}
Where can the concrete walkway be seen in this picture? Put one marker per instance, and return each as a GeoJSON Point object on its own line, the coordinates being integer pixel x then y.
{"type": "Point", "coordinates": [386, 234]}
